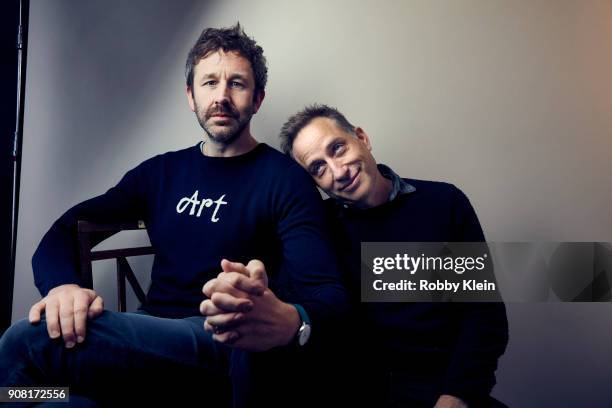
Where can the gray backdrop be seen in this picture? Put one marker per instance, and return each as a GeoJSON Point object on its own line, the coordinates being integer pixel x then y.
{"type": "Point", "coordinates": [509, 100]}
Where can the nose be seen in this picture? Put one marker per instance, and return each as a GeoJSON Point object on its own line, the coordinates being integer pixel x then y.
{"type": "Point", "coordinates": [339, 171]}
{"type": "Point", "coordinates": [222, 96]}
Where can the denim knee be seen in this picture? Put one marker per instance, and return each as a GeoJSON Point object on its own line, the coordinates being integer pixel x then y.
{"type": "Point", "coordinates": [22, 338]}
{"type": "Point", "coordinates": [19, 336]}
{"type": "Point", "coordinates": [16, 347]}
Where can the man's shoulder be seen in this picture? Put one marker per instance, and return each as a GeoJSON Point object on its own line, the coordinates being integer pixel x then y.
{"type": "Point", "coordinates": [153, 167]}
{"type": "Point", "coordinates": [175, 154]}
{"type": "Point", "coordinates": [276, 158]}
{"type": "Point", "coordinates": [278, 164]}
{"type": "Point", "coordinates": [170, 155]}
{"type": "Point", "coordinates": [444, 197]}
{"type": "Point", "coordinates": [436, 190]}
{"type": "Point", "coordinates": [431, 186]}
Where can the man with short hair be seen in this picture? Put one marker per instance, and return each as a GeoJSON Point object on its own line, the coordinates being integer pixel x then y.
{"type": "Point", "coordinates": [397, 354]}
{"type": "Point", "coordinates": [226, 197]}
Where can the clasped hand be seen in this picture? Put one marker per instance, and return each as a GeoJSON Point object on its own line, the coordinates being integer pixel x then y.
{"type": "Point", "coordinates": [243, 312]}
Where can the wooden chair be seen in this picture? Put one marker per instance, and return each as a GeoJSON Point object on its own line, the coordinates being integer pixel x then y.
{"type": "Point", "coordinates": [89, 235]}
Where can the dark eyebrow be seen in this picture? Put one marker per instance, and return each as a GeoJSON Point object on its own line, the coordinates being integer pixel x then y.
{"type": "Point", "coordinates": [231, 78]}
{"type": "Point", "coordinates": [234, 75]}
{"type": "Point", "coordinates": [238, 76]}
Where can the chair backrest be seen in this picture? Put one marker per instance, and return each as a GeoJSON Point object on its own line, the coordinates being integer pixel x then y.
{"type": "Point", "coordinates": [89, 235]}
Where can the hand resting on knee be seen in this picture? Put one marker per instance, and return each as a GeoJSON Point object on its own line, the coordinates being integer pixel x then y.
{"type": "Point", "coordinates": [67, 308]}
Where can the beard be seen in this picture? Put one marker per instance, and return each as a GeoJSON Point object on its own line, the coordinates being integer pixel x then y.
{"type": "Point", "coordinates": [228, 132]}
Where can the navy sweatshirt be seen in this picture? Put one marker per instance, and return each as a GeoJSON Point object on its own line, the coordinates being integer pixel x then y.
{"type": "Point", "coordinates": [201, 209]}
{"type": "Point", "coordinates": [418, 351]}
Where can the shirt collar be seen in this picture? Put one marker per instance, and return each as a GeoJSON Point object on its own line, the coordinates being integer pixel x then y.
{"type": "Point", "coordinates": [399, 186]}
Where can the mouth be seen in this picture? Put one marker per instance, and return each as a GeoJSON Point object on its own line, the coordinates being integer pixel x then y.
{"type": "Point", "coordinates": [352, 183]}
{"type": "Point", "coordinates": [221, 120]}
{"type": "Point", "coordinates": [221, 114]}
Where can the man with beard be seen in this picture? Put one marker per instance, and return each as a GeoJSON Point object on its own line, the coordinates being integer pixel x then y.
{"type": "Point", "coordinates": [226, 197]}
{"type": "Point", "coordinates": [396, 354]}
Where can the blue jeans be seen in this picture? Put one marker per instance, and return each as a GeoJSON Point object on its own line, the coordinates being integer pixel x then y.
{"type": "Point", "coordinates": [131, 356]}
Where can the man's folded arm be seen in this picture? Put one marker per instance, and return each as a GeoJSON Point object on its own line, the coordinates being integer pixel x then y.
{"type": "Point", "coordinates": [483, 333]}
{"type": "Point", "coordinates": [56, 260]}
{"type": "Point", "coordinates": [311, 266]}
{"type": "Point", "coordinates": [482, 340]}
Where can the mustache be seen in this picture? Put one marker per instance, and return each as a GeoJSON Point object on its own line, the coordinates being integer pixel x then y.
{"type": "Point", "coordinates": [225, 110]}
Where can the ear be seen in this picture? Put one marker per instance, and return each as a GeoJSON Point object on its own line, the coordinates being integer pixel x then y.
{"type": "Point", "coordinates": [258, 100]}
{"type": "Point", "coordinates": [189, 92]}
{"type": "Point", "coordinates": [363, 137]}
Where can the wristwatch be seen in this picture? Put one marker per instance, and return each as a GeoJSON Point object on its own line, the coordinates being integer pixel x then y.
{"type": "Point", "coordinates": [303, 333]}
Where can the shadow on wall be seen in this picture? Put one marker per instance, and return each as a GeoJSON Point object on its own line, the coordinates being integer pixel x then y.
{"type": "Point", "coordinates": [93, 68]}
{"type": "Point", "coordinates": [126, 42]}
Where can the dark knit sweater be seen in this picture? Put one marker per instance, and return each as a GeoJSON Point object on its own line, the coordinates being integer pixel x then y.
{"type": "Point", "coordinates": [420, 350]}
{"type": "Point", "coordinates": [198, 210]}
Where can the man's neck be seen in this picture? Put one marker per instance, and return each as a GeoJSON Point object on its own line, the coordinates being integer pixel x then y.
{"type": "Point", "coordinates": [381, 190]}
{"type": "Point", "coordinates": [243, 144]}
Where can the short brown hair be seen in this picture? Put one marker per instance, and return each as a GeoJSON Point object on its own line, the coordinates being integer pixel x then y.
{"type": "Point", "coordinates": [228, 39]}
{"type": "Point", "coordinates": [300, 120]}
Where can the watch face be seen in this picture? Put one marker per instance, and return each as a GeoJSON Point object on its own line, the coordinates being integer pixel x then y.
{"type": "Point", "coordinates": [304, 334]}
